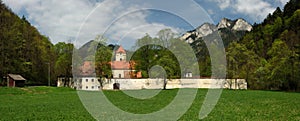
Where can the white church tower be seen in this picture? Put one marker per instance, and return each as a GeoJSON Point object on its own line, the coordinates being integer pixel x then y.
{"type": "Point", "coordinates": [120, 54]}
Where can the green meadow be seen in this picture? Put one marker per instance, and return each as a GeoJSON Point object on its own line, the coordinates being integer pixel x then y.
{"type": "Point", "coordinates": [52, 103]}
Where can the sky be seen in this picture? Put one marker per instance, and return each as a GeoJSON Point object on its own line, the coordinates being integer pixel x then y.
{"type": "Point", "coordinates": [124, 21]}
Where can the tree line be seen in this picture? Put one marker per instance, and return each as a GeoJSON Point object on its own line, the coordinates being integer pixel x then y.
{"type": "Point", "coordinates": [26, 52]}
{"type": "Point", "coordinates": [268, 56]}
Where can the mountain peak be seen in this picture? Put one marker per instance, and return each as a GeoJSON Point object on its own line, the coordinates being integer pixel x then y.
{"type": "Point", "coordinates": [208, 28]}
{"type": "Point", "coordinates": [237, 25]}
{"type": "Point", "coordinates": [242, 25]}
{"type": "Point", "coordinates": [201, 31]}
{"type": "Point", "coordinates": [225, 23]}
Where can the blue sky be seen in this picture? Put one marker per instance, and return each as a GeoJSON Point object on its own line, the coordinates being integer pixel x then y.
{"type": "Point", "coordinates": [122, 22]}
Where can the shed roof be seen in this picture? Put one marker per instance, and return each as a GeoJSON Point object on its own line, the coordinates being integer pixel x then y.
{"type": "Point", "coordinates": [16, 77]}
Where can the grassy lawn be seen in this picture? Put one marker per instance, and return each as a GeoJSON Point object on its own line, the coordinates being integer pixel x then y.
{"type": "Point", "coordinates": [251, 105]}
{"type": "Point", "coordinates": [50, 103]}
{"type": "Point", "coordinates": [41, 103]}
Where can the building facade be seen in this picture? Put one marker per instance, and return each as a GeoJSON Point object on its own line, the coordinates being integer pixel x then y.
{"type": "Point", "coordinates": [87, 79]}
{"type": "Point", "coordinates": [121, 68]}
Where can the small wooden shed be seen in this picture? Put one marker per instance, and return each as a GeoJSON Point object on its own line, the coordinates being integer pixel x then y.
{"type": "Point", "coordinates": [15, 80]}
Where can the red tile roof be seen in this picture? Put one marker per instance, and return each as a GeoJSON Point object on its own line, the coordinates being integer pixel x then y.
{"type": "Point", "coordinates": [87, 68]}
{"type": "Point", "coordinates": [122, 65]}
{"type": "Point", "coordinates": [120, 50]}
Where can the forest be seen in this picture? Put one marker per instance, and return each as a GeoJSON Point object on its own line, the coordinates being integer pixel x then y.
{"type": "Point", "coordinates": [267, 57]}
{"type": "Point", "coordinates": [25, 51]}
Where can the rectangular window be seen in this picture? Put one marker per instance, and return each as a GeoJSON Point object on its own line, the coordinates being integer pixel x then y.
{"type": "Point", "coordinates": [92, 80]}
{"type": "Point", "coordinates": [92, 87]}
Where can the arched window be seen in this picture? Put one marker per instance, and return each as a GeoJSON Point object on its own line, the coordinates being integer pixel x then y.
{"type": "Point", "coordinates": [120, 76]}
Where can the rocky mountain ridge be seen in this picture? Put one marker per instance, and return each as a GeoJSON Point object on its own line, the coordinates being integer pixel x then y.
{"type": "Point", "coordinates": [208, 28]}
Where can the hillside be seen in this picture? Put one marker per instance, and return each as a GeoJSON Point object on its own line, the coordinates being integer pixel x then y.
{"type": "Point", "coordinates": [23, 49]}
{"type": "Point", "coordinates": [229, 31]}
{"type": "Point", "coordinates": [268, 56]}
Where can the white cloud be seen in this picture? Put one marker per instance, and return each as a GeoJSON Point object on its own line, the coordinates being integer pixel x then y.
{"type": "Point", "coordinates": [17, 5]}
{"type": "Point", "coordinates": [58, 19]}
{"type": "Point", "coordinates": [256, 10]}
{"type": "Point", "coordinates": [223, 4]}
{"type": "Point", "coordinates": [62, 19]}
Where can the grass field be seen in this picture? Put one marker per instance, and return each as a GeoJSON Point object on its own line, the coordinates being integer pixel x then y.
{"type": "Point", "coordinates": [50, 103]}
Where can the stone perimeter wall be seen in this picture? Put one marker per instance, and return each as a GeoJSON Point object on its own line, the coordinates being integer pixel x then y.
{"type": "Point", "coordinates": [128, 84]}
{"type": "Point", "coordinates": [136, 84]}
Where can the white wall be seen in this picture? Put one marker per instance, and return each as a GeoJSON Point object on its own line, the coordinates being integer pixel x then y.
{"type": "Point", "coordinates": [119, 56]}
{"type": "Point", "coordinates": [87, 83]}
{"type": "Point", "coordinates": [117, 72]}
{"type": "Point", "coordinates": [127, 84]}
